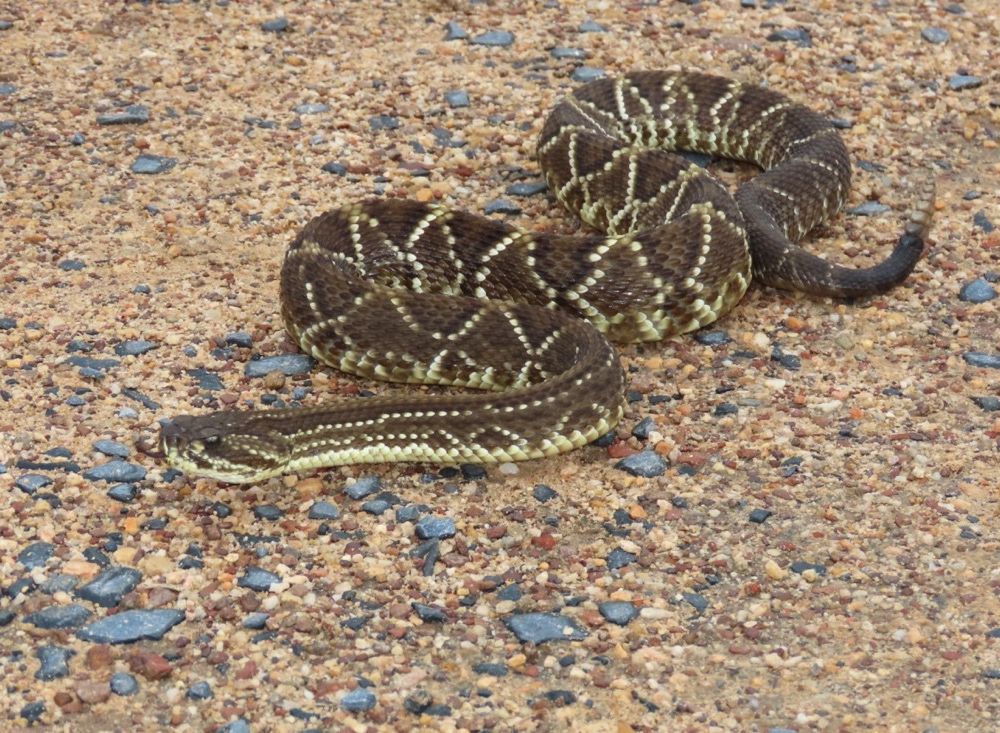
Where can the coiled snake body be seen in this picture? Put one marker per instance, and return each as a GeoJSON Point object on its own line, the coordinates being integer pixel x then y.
{"type": "Point", "coordinates": [412, 292]}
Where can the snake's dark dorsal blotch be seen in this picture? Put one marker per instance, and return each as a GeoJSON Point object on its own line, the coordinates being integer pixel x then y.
{"type": "Point", "coordinates": [412, 292]}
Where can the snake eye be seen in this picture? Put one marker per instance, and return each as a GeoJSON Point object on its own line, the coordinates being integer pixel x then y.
{"type": "Point", "coordinates": [211, 440]}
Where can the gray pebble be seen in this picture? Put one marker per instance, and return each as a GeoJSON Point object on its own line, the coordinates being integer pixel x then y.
{"type": "Point", "coordinates": [235, 726]}
{"type": "Point", "coordinates": [364, 486]}
{"type": "Point", "coordinates": [429, 613]}
{"type": "Point", "coordinates": [453, 31]}
{"type": "Point", "coordinates": [697, 600]}
{"type": "Point", "coordinates": [981, 359]}
{"type": "Point", "coordinates": [800, 566]}
{"type": "Point", "coordinates": [312, 108]}
{"type": "Point", "coordinates": [324, 510]}
{"type": "Point", "coordinates": [643, 427]}
{"type": "Point", "coordinates": [566, 52]}
{"type": "Point", "coordinates": [982, 221]}
{"type": "Point", "coordinates": [338, 169]}
{"type": "Point", "coordinates": [384, 122]}
{"type": "Point", "coordinates": [120, 471]}
{"type": "Point", "coordinates": [87, 362]}
{"type": "Point", "coordinates": [206, 380]}
{"type": "Point", "coordinates": [538, 628]}
{"type": "Point", "coordinates": [431, 527]}
{"type": "Point", "coordinates": [6, 25]}
{"type": "Point", "coordinates": [111, 448]}
{"type": "Point", "coordinates": [7, 89]}
{"type": "Point", "coordinates": [72, 265]}
{"type": "Point", "coordinates": [375, 507]}
{"type": "Point", "coordinates": [592, 26]}
{"type": "Point", "coordinates": [29, 483]}
{"type": "Point", "coordinates": [59, 617]}
{"type": "Point", "coordinates": [583, 74]}
{"type": "Point", "coordinates": [133, 114]}
{"type": "Point", "coordinates": [288, 364]}
{"type": "Point", "coordinates": [122, 683]}
{"type": "Point", "coordinates": [77, 139]}
{"type": "Point", "coordinates": [618, 612]}
{"type": "Point", "coordinates": [868, 208]}
{"type": "Point", "coordinates": [989, 403]}
{"type": "Point", "coordinates": [619, 558]}
{"type": "Point", "coordinates": [134, 347]}
{"type": "Point", "coordinates": [799, 35]}
{"type": "Point", "coordinates": [60, 583]}
{"type": "Point", "coordinates": [32, 712]}
{"type": "Point", "coordinates": [268, 512]}
{"type": "Point", "coordinates": [502, 206]}
{"type": "Point", "coordinates": [759, 516]}
{"type": "Point", "coordinates": [239, 338]}
{"type": "Point", "coordinates": [527, 188]}
{"type": "Point", "coordinates": [457, 98]}
{"type": "Point", "coordinates": [275, 25]}
{"type": "Point", "coordinates": [110, 585]}
{"type": "Point", "coordinates": [712, 338]}
{"type": "Point", "coordinates": [200, 691]}
{"type": "Point", "coordinates": [152, 164]}
{"type": "Point", "coordinates": [256, 620]}
{"type": "Point", "coordinates": [36, 554]}
{"type": "Point", "coordinates": [132, 625]}
{"type": "Point", "coordinates": [55, 662]}
{"type": "Point", "coordinates": [977, 291]}
{"type": "Point", "coordinates": [358, 700]}
{"type": "Point", "coordinates": [958, 82]}
{"type": "Point", "coordinates": [543, 493]}
{"type": "Point", "coordinates": [258, 579]}
{"type": "Point", "coordinates": [935, 35]}
{"type": "Point", "coordinates": [646, 464]}
{"type": "Point", "coordinates": [408, 513]}
{"type": "Point", "coordinates": [494, 38]}
{"type": "Point", "coordinates": [493, 669]}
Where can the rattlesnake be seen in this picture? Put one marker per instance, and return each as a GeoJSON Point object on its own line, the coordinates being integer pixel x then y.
{"type": "Point", "coordinates": [414, 292]}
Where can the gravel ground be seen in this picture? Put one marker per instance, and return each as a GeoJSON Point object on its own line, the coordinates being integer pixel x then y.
{"type": "Point", "coordinates": [794, 529]}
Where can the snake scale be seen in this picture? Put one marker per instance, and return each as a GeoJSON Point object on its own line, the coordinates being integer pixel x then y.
{"type": "Point", "coordinates": [412, 292]}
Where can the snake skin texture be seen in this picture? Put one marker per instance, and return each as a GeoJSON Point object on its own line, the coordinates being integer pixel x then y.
{"type": "Point", "coordinates": [411, 292]}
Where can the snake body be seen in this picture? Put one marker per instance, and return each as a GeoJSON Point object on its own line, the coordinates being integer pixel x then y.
{"type": "Point", "coordinates": [412, 292]}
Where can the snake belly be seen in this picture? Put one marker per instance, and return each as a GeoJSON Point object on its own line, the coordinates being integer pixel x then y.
{"type": "Point", "coordinates": [417, 293]}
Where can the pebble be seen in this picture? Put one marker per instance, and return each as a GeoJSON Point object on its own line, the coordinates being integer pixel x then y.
{"type": "Point", "coordinates": [980, 220]}
{"type": "Point", "coordinates": [989, 403]}
{"type": "Point", "coordinates": [59, 617]}
{"type": "Point", "coordinates": [108, 588]}
{"type": "Point", "coordinates": [618, 612]}
{"type": "Point", "coordinates": [543, 493]}
{"type": "Point", "coordinates": [54, 662]}
{"type": "Point", "coordinates": [868, 208]}
{"type": "Point", "coordinates": [120, 471]}
{"type": "Point", "coordinates": [619, 558]}
{"type": "Point", "coordinates": [334, 167]}
{"type": "Point", "coordinates": [268, 512]}
{"type": "Point", "coordinates": [72, 265]}
{"type": "Point", "coordinates": [801, 566]}
{"type": "Point", "coordinates": [697, 600]}
{"type": "Point", "coordinates": [431, 527]}
{"type": "Point", "coordinates": [384, 122]}
{"type": "Point", "coordinates": [472, 471]}
{"type": "Point", "coordinates": [239, 338]}
{"type": "Point", "coordinates": [643, 428]}
{"type": "Point", "coordinates": [29, 483]}
{"type": "Point", "coordinates": [494, 38]}
{"type": "Point", "coordinates": [712, 338]}
{"type": "Point", "coordinates": [256, 620]}
{"type": "Point", "coordinates": [453, 31]}
{"type": "Point", "coordinates": [358, 700]}
{"type": "Point", "coordinates": [200, 691]}
{"type": "Point", "coordinates": [592, 26]}
{"type": "Point", "coordinates": [646, 464]}
{"type": "Point", "coordinates": [275, 25]}
{"type": "Point", "coordinates": [934, 34]}
{"type": "Point", "coordinates": [6, 25]}
{"type": "Point", "coordinates": [457, 98]}
{"type": "Point", "coordinates": [324, 510]}
{"type": "Point", "coordinates": [584, 74]}
{"type": "Point", "coordinates": [111, 448]}
{"type": "Point", "coordinates": [977, 291]}
{"type": "Point", "coordinates": [235, 726]}
{"type": "Point", "coordinates": [725, 408]}
{"type": "Point", "coordinates": [376, 507]}
{"type": "Point", "coordinates": [502, 206]}
{"type": "Point", "coordinates": [132, 625]}
{"type": "Point", "coordinates": [206, 380]}
{"type": "Point", "coordinates": [958, 82]}
{"type": "Point", "coordinates": [799, 35]}
{"type": "Point", "coordinates": [258, 579]}
{"type": "Point", "coordinates": [134, 114]}
{"type": "Point", "coordinates": [408, 513]}
{"type": "Point", "coordinates": [7, 89]}
{"type": "Point", "coordinates": [566, 52]}
{"type": "Point", "coordinates": [429, 613]}
{"type": "Point", "coordinates": [527, 188]}
{"type": "Point", "coordinates": [124, 684]}
{"type": "Point", "coordinates": [364, 486]}
{"type": "Point", "coordinates": [36, 554]}
{"type": "Point", "coordinates": [153, 164]}
{"type": "Point", "coordinates": [493, 669]}
{"type": "Point", "coordinates": [291, 365]}
{"type": "Point", "coordinates": [981, 359]}
{"type": "Point", "coordinates": [32, 712]}
{"type": "Point", "coordinates": [759, 516]}
{"type": "Point", "coordinates": [538, 628]}
{"type": "Point", "coordinates": [134, 347]}
{"type": "Point", "coordinates": [312, 108]}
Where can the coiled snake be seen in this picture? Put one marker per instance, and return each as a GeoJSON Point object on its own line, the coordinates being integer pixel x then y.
{"type": "Point", "coordinates": [412, 292]}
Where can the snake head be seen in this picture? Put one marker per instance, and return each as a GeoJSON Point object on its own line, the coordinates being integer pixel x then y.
{"type": "Point", "coordinates": [226, 446]}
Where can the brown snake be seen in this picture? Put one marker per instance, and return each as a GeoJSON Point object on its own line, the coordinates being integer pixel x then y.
{"type": "Point", "coordinates": [411, 292]}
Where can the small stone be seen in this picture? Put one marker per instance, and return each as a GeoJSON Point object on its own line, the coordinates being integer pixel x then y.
{"type": "Point", "coordinates": [527, 188]}
{"type": "Point", "coordinates": [36, 555]}
{"type": "Point", "coordinates": [153, 164]}
{"type": "Point", "coordinates": [618, 612]}
{"type": "Point", "coordinates": [59, 617]}
{"type": "Point", "coordinates": [375, 507]}
{"type": "Point", "coordinates": [258, 579]}
{"type": "Point", "coordinates": [268, 512]}
{"type": "Point", "coordinates": [324, 510]}
{"type": "Point", "coordinates": [429, 613]}
{"type": "Point", "coordinates": [121, 471]}
{"type": "Point", "coordinates": [54, 662]}
{"type": "Point", "coordinates": [584, 74]}
{"type": "Point", "coordinates": [291, 365]}
{"type": "Point", "coordinates": [108, 588]}
{"type": "Point", "coordinates": [275, 25]}
{"type": "Point", "coordinates": [759, 516]}
{"type": "Point", "coordinates": [697, 600]}
{"type": "Point", "coordinates": [336, 168]}
{"type": "Point", "coordinates": [92, 692]}
{"type": "Point", "coordinates": [543, 493]}
{"type": "Point", "coordinates": [712, 338]}
{"type": "Point", "coordinates": [200, 691]}
{"type": "Point", "coordinates": [431, 527]}
{"type": "Point", "coordinates": [868, 208]}
{"type": "Point", "coordinates": [364, 486]}
{"type": "Point", "coordinates": [977, 291]}
{"type": "Point", "coordinates": [239, 338]}
{"type": "Point", "coordinates": [418, 702]}
{"type": "Point", "coordinates": [134, 347]}
{"type": "Point", "coordinates": [384, 122]}
{"type": "Point", "coordinates": [959, 82]}
{"type": "Point", "coordinates": [538, 628]}
{"type": "Point", "coordinates": [799, 35]}
{"type": "Point", "coordinates": [933, 34]}
{"type": "Point", "coordinates": [312, 108]}
{"type": "Point", "coordinates": [235, 726]}
{"type": "Point", "coordinates": [132, 625]}
{"type": "Point", "coordinates": [502, 206]}
{"type": "Point", "coordinates": [981, 359]}
{"type": "Point", "coordinates": [725, 408]}
{"type": "Point", "coordinates": [800, 567]}
{"type": "Point", "coordinates": [358, 700]}
{"type": "Point", "coordinates": [32, 712]}
{"type": "Point", "coordinates": [72, 265]}
{"type": "Point", "coordinates": [457, 98]}
{"type": "Point", "coordinates": [134, 114]}
{"type": "Point", "coordinates": [492, 669]}
{"type": "Point", "coordinates": [619, 558]}
{"type": "Point", "coordinates": [453, 31]}
{"type": "Point", "coordinates": [494, 38]}
{"type": "Point", "coordinates": [989, 403]}
{"type": "Point", "coordinates": [643, 428]}
{"type": "Point", "coordinates": [6, 25]}
{"type": "Point", "coordinates": [7, 89]}
{"type": "Point", "coordinates": [408, 513]}
{"type": "Point", "coordinates": [124, 684]}
{"type": "Point", "coordinates": [472, 471]}
{"type": "Point", "coordinates": [982, 222]}
{"type": "Point", "coordinates": [592, 26]}
{"type": "Point", "coordinates": [647, 464]}
{"type": "Point", "coordinates": [565, 52]}
{"type": "Point", "coordinates": [206, 380]}
{"type": "Point", "coordinates": [111, 448]}
{"type": "Point", "coordinates": [255, 621]}
{"type": "Point", "coordinates": [774, 570]}
{"type": "Point", "coordinates": [29, 483]}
